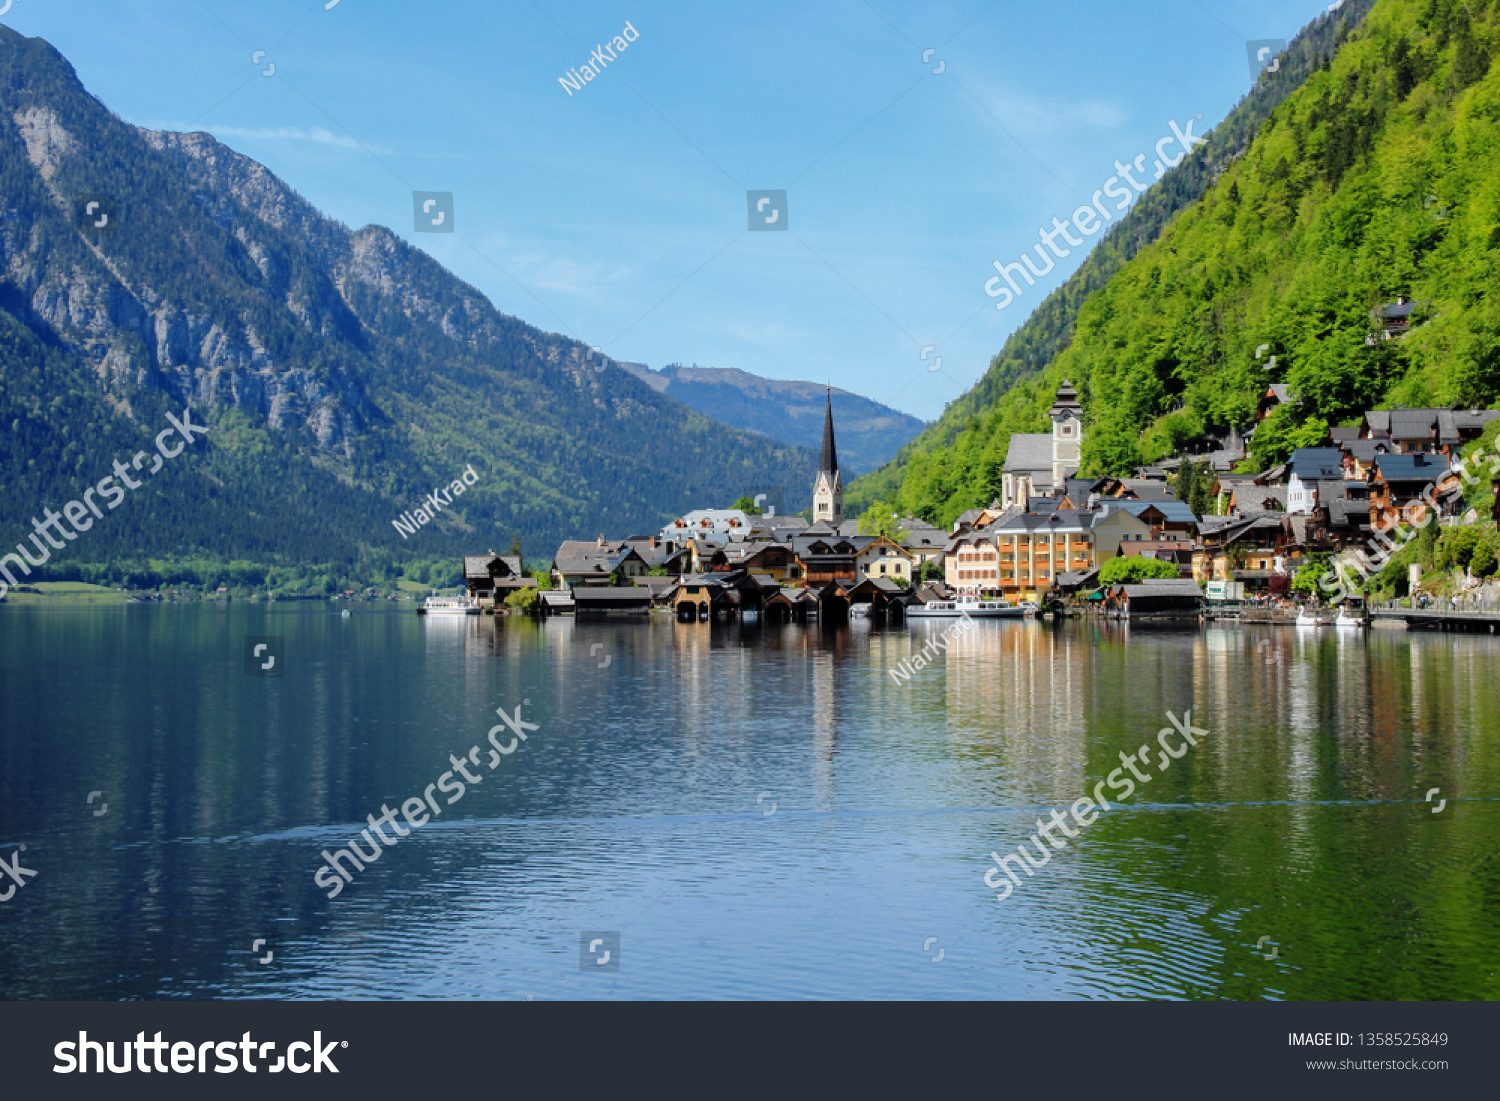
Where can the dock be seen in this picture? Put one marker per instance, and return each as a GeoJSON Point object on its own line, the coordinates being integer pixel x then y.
{"type": "Point", "coordinates": [1438, 616]}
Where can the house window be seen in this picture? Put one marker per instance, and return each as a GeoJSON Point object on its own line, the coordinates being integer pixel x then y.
{"type": "Point", "coordinates": [882, 567]}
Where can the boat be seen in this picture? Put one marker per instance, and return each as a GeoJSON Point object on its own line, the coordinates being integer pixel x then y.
{"type": "Point", "coordinates": [969, 606]}
{"type": "Point", "coordinates": [447, 605]}
{"type": "Point", "coordinates": [1312, 617]}
{"type": "Point", "coordinates": [859, 611]}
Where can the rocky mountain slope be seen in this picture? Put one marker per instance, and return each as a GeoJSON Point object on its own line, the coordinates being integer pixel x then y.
{"type": "Point", "coordinates": [343, 374]}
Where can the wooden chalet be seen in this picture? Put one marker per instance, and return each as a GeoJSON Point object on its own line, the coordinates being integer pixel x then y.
{"type": "Point", "coordinates": [490, 578]}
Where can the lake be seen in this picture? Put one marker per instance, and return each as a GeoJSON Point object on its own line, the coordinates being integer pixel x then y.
{"type": "Point", "coordinates": [738, 811]}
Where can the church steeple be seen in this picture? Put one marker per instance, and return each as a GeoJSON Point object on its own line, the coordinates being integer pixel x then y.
{"type": "Point", "coordinates": [828, 490]}
{"type": "Point", "coordinates": [1067, 433]}
{"type": "Point", "coordinates": [830, 463]}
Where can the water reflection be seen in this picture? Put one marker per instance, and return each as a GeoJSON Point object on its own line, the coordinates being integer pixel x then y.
{"type": "Point", "coordinates": [641, 805]}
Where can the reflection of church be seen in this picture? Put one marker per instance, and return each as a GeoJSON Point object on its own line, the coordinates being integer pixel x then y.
{"type": "Point", "coordinates": [1039, 463]}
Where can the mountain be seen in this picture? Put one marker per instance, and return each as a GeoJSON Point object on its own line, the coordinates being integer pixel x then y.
{"type": "Point", "coordinates": [956, 462]}
{"type": "Point", "coordinates": [342, 374]}
{"type": "Point", "coordinates": [869, 433]}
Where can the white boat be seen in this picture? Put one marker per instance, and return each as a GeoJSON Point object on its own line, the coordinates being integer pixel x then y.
{"type": "Point", "coordinates": [859, 611]}
{"type": "Point", "coordinates": [1349, 617]}
{"type": "Point", "coordinates": [969, 606]}
{"type": "Point", "coordinates": [1308, 617]}
{"type": "Point", "coordinates": [447, 605]}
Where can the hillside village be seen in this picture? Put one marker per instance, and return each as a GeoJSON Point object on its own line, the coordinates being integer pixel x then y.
{"type": "Point", "coordinates": [1046, 541]}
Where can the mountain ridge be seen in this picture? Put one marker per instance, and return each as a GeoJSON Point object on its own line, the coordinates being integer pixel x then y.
{"type": "Point", "coordinates": [343, 372]}
{"type": "Point", "coordinates": [787, 410]}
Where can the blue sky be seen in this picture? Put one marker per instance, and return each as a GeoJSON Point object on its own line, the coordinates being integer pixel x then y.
{"type": "Point", "coordinates": [618, 215]}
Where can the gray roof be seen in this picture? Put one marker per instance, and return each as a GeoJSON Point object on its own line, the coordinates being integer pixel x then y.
{"type": "Point", "coordinates": [1313, 464]}
{"type": "Point", "coordinates": [1029, 452]}
{"type": "Point", "coordinates": [478, 565]}
{"type": "Point", "coordinates": [1251, 498]}
{"type": "Point", "coordinates": [581, 557]}
{"type": "Point", "coordinates": [1412, 468]}
{"type": "Point", "coordinates": [1175, 512]}
{"type": "Point", "coordinates": [1393, 311]}
{"type": "Point", "coordinates": [1430, 425]}
{"type": "Point", "coordinates": [1365, 450]}
{"type": "Point", "coordinates": [1147, 490]}
{"type": "Point", "coordinates": [1072, 579]}
{"type": "Point", "coordinates": [1164, 586]}
{"type": "Point", "coordinates": [1067, 520]}
{"type": "Point", "coordinates": [1472, 421]}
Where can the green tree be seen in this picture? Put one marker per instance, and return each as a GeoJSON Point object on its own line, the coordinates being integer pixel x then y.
{"type": "Point", "coordinates": [1121, 570]}
{"type": "Point", "coordinates": [515, 549]}
{"type": "Point", "coordinates": [1483, 562]}
{"type": "Point", "coordinates": [523, 600]}
{"type": "Point", "coordinates": [1306, 579]}
{"type": "Point", "coordinates": [881, 518]}
{"type": "Point", "coordinates": [747, 506]}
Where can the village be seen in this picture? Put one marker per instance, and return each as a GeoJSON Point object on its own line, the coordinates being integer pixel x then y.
{"type": "Point", "coordinates": [1042, 545]}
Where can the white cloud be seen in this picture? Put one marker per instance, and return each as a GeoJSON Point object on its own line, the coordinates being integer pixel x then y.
{"type": "Point", "coordinates": [317, 135]}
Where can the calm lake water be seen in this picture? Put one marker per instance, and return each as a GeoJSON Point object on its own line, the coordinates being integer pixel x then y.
{"type": "Point", "coordinates": [757, 812]}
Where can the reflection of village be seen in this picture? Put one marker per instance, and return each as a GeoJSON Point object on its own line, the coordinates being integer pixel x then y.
{"type": "Point", "coordinates": [1043, 541]}
{"type": "Point", "coordinates": [1032, 700]}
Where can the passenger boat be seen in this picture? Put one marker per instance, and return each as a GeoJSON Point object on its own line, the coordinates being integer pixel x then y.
{"type": "Point", "coordinates": [447, 605]}
{"type": "Point", "coordinates": [972, 607]}
{"type": "Point", "coordinates": [1313, 617]}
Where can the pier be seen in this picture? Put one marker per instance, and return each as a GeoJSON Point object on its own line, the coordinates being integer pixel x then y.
{"type": "Point", "coordinates": [1439, 615]}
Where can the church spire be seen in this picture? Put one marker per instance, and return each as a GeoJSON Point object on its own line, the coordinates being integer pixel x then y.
{"type": "Point", "coordinates": [830, 463]}
{"type": "Point", "coordinates": [828, 490]}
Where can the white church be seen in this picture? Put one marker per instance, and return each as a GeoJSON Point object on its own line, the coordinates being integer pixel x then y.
{"type": "Point", "coordinates": [1039, 463]}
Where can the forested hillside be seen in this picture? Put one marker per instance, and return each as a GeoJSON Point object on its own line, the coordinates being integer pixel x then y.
{"type": "Point", "coordinates": [343, 374]}
{"type": "Point", "coordinates": [957, 461]}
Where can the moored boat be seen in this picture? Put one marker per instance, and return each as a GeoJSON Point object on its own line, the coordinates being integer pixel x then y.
{"type": "Point", "coordinates": [447, 605]}
{"type": "Point", "coordinates": [1312, 617]}
{"type": "Point", "coordinates": [967, 606]}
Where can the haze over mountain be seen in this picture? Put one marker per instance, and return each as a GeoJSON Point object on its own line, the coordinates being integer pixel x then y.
{"type": "Point", "coordinates": [343, 374]}
{"type": "Point", "coordinates": [869, 433]}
